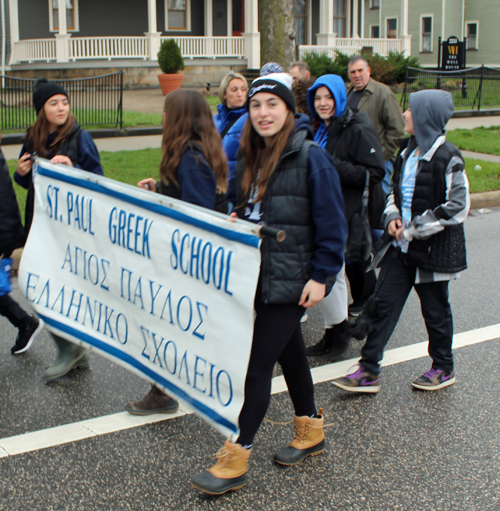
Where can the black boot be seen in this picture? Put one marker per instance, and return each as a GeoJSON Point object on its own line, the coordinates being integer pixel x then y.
{"type": "Point", "coordinates": [323, 346]}
{"type": "Point", "coordinates": [340, 338]}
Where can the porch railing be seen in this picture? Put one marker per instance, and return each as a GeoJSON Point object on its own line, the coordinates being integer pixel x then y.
{"type": "Point", "coordinates": [210, 47]}
{"type": "Point", "coordinates": [34, 50]}
{"type": "Point", "coordinates": [351, 46]}
{"type": "Point", "coordinates": [108, 48]}
{"type": "Point", "coordinates": [124, 47]}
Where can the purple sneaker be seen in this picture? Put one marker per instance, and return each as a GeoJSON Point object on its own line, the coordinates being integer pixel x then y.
{"type": "Point", "coordinates": [434, 379]}
{"type": "Point", "coordinates": [360, 381]}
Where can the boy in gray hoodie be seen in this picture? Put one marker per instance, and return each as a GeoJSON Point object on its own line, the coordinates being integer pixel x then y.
{"type": "Point", "coordinates": [425, 211]}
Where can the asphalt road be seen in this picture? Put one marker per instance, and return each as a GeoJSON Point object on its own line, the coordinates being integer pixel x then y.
{"type": "Point", "coordinates": [398, 450]}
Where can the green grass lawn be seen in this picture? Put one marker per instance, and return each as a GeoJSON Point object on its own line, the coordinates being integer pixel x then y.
{"type": "Point", "coordinates": [479, 140]}
{"type": "Point", "coordinates": [132, 166]}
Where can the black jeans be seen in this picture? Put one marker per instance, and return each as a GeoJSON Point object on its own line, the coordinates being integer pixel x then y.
{"type": "Point", "coordinates": [277, 338]}
{"type": "Point", "coordinates": [391, 299]}
{"type": "Point", "coordinates": [12, 311]}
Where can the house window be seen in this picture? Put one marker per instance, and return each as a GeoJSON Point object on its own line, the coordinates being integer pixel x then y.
{"type": "Point", "coordinates": [375, 4]}
{"type": "Point", "coordinates": [339, 17]}
{"type": "Point", "coordinates": [426, 34]}
{"type": "Point", "coordinates": [71, 15]}
{"type": "Point", "coordinates": [375, 32]}
{"type": "Point", "coordinates": [392, 28]}
{"type": "Point", "coordinates": [472, 35]}
{"type": "Point", "coordinates": [300, 12]}
{"type": "Point", "coordinates": [177, 14]}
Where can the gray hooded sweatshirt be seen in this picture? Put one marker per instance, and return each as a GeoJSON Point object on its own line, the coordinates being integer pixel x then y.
{"type": "Point", "coordinates": [431, 110]}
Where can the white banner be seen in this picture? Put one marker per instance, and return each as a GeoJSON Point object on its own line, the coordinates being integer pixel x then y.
{"type": "Point", "coordinates": [162, 287]}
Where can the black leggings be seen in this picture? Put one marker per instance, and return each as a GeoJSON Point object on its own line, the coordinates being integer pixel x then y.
{"type": "Point", "coordinates": [277, 338]}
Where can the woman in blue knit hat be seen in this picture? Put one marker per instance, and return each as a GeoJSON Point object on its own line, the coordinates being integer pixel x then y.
{"type": "Point", "coordinates": [56, 136]}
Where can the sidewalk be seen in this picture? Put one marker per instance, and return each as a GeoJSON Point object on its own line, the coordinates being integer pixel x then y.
{"type": "Point", "coordinates": [151, 101]}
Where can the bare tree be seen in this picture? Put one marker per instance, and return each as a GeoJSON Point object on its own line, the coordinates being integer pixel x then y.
{"type": "Point", "coordinates": [277, 32]}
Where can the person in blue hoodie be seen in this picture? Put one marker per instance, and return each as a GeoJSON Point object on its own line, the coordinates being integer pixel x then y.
{"type": "Point", "coordinates": [285, 181]}
{"type": "Point", "coordinates": [56, 135]}
{"type": "Point", "coordinates": [428, 203]}
{"type": "Point", "coordinates": [356, 150]}
{"type": "Point", "coordinates": [193, 169]}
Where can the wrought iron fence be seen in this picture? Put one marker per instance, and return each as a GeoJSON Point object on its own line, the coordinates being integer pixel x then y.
{"type": "Point", "coordinates": [96, 101]}
{"type": "Point", "coordinates": [472, 89]}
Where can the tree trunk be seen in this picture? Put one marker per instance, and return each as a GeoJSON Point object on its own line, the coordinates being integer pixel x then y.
{"type": "Point", "coordinates": [277, 32]}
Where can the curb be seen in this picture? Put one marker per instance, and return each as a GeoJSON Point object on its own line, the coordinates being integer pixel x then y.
{"type": "Point", "coordinates": [485, 199]}
{"type": "Point", "coordinates": [17, 138]}
{"type": "Point", "coordinates": [458, 114]}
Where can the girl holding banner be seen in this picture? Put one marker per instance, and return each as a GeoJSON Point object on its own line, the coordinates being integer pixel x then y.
{"type": "Point", "coordinates": [285, 181]}
{"type": "Point", "coordinates": [56, 135]}
{"type": "Point", "coordinates": [193, 169]}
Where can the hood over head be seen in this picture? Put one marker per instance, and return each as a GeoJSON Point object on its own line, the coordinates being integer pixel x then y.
{"type": "Point", "coordinates": [336, 86]}
{"type": "Point", "coordinates": [430, 110]}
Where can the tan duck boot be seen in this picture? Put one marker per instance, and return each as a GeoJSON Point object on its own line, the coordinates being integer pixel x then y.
{"type": "Point", "coordinates": [229, 473]}
{"type": "Point", "coordinates": [309, 440]}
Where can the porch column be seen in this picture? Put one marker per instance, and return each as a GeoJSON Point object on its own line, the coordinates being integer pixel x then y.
{"type": "Point", "coordinates": [62, 37]}
{"type": "Point", "coordinates": [152, 34]}
{"type": "Point", "coordinates": [252, 34]}
{"type": "Point", "coordinates": [14, 29]}
{"type": "Point", "coordinates": [355, 19]}
{"type": "Point", "coordinates": [404, 29]}
{"type": "Point", "coordinates": [326, 36]}
{"type": "Point", "coordinates": [209, 18]}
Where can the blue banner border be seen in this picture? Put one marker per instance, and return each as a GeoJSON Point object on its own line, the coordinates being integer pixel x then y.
{"type": "Point", "coordinates": [131, 361]}
{"type": "Point", "coordinates": [245, 239]}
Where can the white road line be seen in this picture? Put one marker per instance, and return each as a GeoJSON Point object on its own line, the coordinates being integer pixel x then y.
{"type": "Point", "coordinates": [67, 433]}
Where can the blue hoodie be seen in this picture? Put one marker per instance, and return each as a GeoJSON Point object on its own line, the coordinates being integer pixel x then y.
{"type": "Point", "coordinates": [336, 86]}
{"type": "Point", "coordinates": [225, 115]}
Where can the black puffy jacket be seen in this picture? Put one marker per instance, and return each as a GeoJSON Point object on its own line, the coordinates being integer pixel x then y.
{"type": "Point", "coordinates": [355, 147]}
{"type": "Point", "coordinates": [12, 234]}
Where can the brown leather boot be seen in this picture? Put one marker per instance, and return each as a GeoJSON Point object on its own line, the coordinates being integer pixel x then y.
{"type": "Point", "coordinates": [229, 473]}
{"type": "Point", "coordinates": [155, 401]}
{"type": "Point", "coordinates": [309, 440]}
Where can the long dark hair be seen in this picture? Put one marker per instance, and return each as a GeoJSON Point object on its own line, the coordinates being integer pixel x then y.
{"type": "Point", "coordinates": [187, 117]}
{"type": "Point", "coordinates": [38, 132]}
{"type": "Point", "coordinates": [261, 159]}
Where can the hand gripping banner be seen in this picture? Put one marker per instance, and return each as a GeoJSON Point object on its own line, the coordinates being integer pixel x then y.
{"type": "Point", "coordinates": [158, 285]}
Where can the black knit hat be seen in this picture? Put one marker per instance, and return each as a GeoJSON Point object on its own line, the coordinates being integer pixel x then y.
{"type": "Point", "coordinates": [279, 84]}
{"type": "Point", "coordinates": [44, 90]}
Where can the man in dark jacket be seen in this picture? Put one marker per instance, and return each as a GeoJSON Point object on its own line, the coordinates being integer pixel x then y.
{"type": "Point", "coordinates": [425, 214]}
{"type": "Point", "coordinates": [381, 105]}
{"type": "Point", "coordinates": [12, 236]}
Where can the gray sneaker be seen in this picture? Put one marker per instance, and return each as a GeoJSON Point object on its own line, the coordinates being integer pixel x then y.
{"type": "Point", "coordinates": [434, 379]}
{"type": "Point", "coordinates": [360, 381]}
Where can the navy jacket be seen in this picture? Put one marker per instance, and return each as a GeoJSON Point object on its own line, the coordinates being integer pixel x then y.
{"type": "Point", "coordinates": [79, 147]}
{"type": "Point", "coordinates": [304, 198]}
{"type": "Point", "coordinates": [12, 234]}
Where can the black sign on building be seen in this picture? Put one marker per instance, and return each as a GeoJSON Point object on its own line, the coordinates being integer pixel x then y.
{"type": "Point", "coordinates": [453, 54]}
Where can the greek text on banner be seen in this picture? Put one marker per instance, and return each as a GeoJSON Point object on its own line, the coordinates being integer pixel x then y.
{"type": "Point", "coordinates": [160, 286]}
